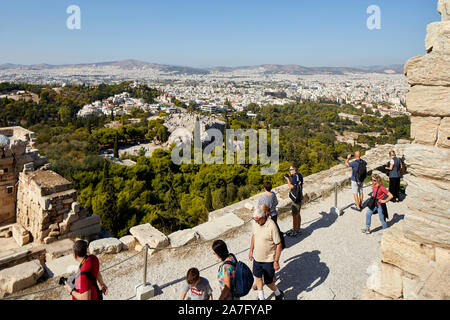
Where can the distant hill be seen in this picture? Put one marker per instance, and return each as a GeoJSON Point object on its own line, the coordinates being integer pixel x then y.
{"type": "Point", "coordinates": [268, 69]}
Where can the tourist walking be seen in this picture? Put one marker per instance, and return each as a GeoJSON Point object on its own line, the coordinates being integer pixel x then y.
{"type": "Point", "coordinates": [295, 182]}
{"type": "Point", "coordinates": [379, 192]}
{"type": "Point", "coordinates": [265, 251]}
{"type": "Point", "coordinates": [227, 270]}
{"type": "Point", "coordinates": [394, 167]}
{"type": "Point", "coordinates": [359, 173]}
{"type": "Point", "coordinates": [85, 285]}
{"type": "Point", "coordinates": [269, 204]}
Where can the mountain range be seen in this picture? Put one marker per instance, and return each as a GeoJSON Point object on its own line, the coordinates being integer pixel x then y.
{"type": "Point", "coordinates": [268, 69]}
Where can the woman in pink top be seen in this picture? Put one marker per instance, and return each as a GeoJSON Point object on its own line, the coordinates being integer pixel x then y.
{"type": "Point", "coordinates": [379, 192]}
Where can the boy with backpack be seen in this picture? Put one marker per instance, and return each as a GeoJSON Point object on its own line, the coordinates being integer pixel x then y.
{"type": "Point", "coordinates": [359, 174]}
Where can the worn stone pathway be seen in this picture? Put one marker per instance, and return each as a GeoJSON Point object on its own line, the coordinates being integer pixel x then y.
{"type": "Point", "coordinates": [328, 261]}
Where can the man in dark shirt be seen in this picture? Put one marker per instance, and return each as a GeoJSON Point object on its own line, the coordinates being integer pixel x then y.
{"type": "Point", "coordinates": [294, 179]}
{"type": "Point", "coordinates": [357, 186]}
{"type": "Point", "coordinates": [84, 288]}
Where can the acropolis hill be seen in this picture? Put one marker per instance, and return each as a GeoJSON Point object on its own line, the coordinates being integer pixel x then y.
{"type": "Point", "coordinates": [409, 260]}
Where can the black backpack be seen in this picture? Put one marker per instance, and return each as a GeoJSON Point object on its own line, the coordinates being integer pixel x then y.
{"type": "Point", "coordinates": [94, 281]}
{"type": "Point", "coordinates": [296, 193]}
{"type": "Point", "coordinates": [243, 280]}
{"type": "Point", "coordinates": [361, 172]}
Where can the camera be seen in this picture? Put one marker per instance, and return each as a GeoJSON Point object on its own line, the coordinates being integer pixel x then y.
{"type": "Point", "coordinates": [62, 281]}
{"type": "Point", "coordinates": [287, 175]}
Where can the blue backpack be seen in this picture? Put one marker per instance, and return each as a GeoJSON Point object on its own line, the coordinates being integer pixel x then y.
{"type": "Point", "coordinates": [244, 278]}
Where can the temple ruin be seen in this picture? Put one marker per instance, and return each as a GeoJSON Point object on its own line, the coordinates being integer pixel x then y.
{"type": "Point", "coordinates": [37, 204]}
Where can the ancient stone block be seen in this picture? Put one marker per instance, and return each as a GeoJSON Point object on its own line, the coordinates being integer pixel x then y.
{"type": "Point", "coordinates": [429, 69]}
{"type": "Point", "coordinates": [83, 223]}
{"type": "Point", "coordinates": [369, 294]}
{"type": "Point", "coordinates": [409, 288]}
{"type": "Point", "coordinates": [147, 234]}
{"type": "Point", "coordinates": [58, 249]}
{"type": "Point", "coordinates": [70, 217]}
{"type": "Point", "coordinates": [21, 276]}
{"type": "Point", "coordinates": [438, 37]}
{"type": "Point", "coordinates": [422, 162]}
{"type": "Point", "coordinates": [444, 134]}
{"type": "Point", "coordinates": [444, 9]}
{"type": "Point", "coordinates": [386, 280]}
{"type": "Point", "coordinates": [182, 237]}
{"type": "Point", "coordinates": [429, 101]}
{"type": "Point", "coordinates": [212, 229]}
{"type": "Point", "coordinates": [89, 231]}
{"type": "Point", "coordinates": [61, 266]}
{"type": "Point", "coordinates": [399, 251]}
{"type": "Point", "coordinates": [21, 235]}
{"type": "Point", "coordinates": [424, 130]}
{"type": "Point", "coordinates": [434, 282]}
{"type": "Point", "coordinates": [107, 245]}
{"type": "Point", "coordinates": [50, 239]}
{"type": "Point", "coordinates": [442, 256]}
{"type": "Point", "coordinates": [128, 242]}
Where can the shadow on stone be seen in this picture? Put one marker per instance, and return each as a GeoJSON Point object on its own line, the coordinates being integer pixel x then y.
{"type": "Point", "coordinates": [303, 272]}
{"type": "Point", "coordinates": [326, 220]}
{"type": "Point", "coordinates": [396, 218]}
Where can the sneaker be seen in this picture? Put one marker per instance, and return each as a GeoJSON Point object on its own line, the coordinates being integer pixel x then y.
{"type": "Point", "coordinates": [280, 296]}
{"type": "Point", "coordinates": [365, 230]}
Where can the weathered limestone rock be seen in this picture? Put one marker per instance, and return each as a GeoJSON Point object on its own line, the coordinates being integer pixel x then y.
{"type": "Point", "coordinates": [21, 235]}
{"type": "Point", "coordinates": [429, 69]}
{"type": "Point", "coordinates": [442, 256]}
{"type": "Point", "coordinates": [429, 101]}
{"type": "Point", "coordinates": [426, 198]}
{"type": "Point", "coordinates": [422, 162]}
{"type": "Point", "coordinates": [50, 239]}
{"type": "Point", "coordinates": [434, 283]}
{"type": "Point", "coordinates": [21, 276]}
{"type": "Point", "coordinates": [409, 288]}
{"type": "Point", "coordinates": [444, 9]}
{"type": "Point", "coordinates": [84, 223]}
{"type": "Point", "coordinates": [212, 229]}
{"type": "Point", "coordinates": [424, 130]}
{"type": "Point", "coordinates": [61, 266]}
{"type": "Point", "coordinates": [128, 242]}
{"type": "Point", "coordinates": [107, 245]}
{"type": "Point", "coordinates": [444, 134]}
{"type": "Point", "coordinates": [147, 234]}
{"type": "Point", "coordinates": [58, 249]}
{"type": "Point", "coordinates": [408, 255]}
{"type": "Point", "coordinates": [369, 294]}
{"type": "Point", "coordinates": [386, 280]}
{"type": "Point", "coordinates": [182, 237]}
{"type": "Point", "coordinates": [87, 232]}
{"type": "Point", "coordinates": [438, 37]}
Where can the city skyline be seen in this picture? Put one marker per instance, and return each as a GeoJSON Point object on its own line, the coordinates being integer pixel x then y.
{"type": "Point", "coordinates": [205, 34]}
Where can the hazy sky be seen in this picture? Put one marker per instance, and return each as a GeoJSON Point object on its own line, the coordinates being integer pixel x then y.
{"type": "Point", "coordinates": [220, 33]}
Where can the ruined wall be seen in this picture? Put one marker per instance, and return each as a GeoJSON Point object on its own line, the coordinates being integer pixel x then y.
{"type": "Point", "coordinates": [47, 208]}
{"type": "Point", "coordinates": [416, 253]}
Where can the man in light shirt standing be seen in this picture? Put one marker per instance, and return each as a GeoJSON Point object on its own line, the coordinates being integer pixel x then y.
{"type": "Point", "coordinates": [265, 251]}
